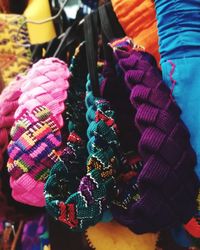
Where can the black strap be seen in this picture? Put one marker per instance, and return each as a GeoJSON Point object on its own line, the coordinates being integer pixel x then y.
{"type": "Point", "coordinates": [73, 35]}
{"type": "Point", "coordinates": [109, 23]}
{"type": "Point", "coordinates": [61, 23]}
{"type": "Point", "coordinates": [110, 29]}
{"type": "Point", "coordinates": [51, 47]}
{"type": "Point", "coordinates": [37, 51]}
{"type": "Point", "coordinates": [62, 43]}
{"type": "Point", "coordinates": [107, 33]}
{"type": "Point", "coordinates": [117, 28]}
{"type": "Point", "coordinates": [91, 38]}
{"type": "Point", "coordinates": [105, 23]}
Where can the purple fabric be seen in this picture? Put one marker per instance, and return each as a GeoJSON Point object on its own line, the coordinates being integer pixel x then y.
{"type": "Point", "coordinates": [168, 186]}
{"type": "Point", "coordinates": [32, 231]}
{"type": "Point", "coordinates": [112, 89]}
{"type": "Point", "coordinates": [86, 188]}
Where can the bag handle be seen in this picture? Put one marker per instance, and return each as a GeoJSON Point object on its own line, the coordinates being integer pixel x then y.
{"type": "Point", "coordinates": [91, 41]}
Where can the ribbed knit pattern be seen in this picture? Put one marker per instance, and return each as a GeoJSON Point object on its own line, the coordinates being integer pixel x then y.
{"type": "Point", "coordinates": [113, 90]}
{"type": "Point", "coordinates": [138, 19]}
{"type": "Point", "coordinates": [167, 183]}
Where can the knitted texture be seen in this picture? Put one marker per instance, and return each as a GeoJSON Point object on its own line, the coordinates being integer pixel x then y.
{"type": "Point", "coordinates": [138, 19]}
{"type": "Point", "coordinates": [94, 190]}
{"type": "Point", "coordinates": [113, 90]}
{"type": "Point", "coordinates": [85, 207]}
{"type": "Point", "coordinates": [15, 53]}
{"type": "Point", "coordinates": [32, 152]}
{"type": "Point", "coordinates": [103, 162]}
{"type": "Point", "coordinates": [75, 109]}
{"type": "Point", "coordinates": [167, 183]}
{"type": "Point", "coordinates": [65, 176]}
{"type": "Point", "coordinates": [36, 132]}
{"type": "Point", "coordinates": [46, 84]}
{"type": "Point", "coordinates": [8, 105]}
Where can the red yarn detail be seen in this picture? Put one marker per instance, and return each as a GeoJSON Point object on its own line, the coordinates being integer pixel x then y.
{"type": "Point", "coordinates": [134, 160]}
{"type": "Point", "coordinates": [101, 116]}
{"type": "Point", "coordinates": [67, 214]}
{"type": "Point", "coordinates": [74, 138]}
{"type": "Point", "coordinates": [128, 176]}
{"type": "Point", "coordinates": [171, 77]}
{"type": "Point", "coordinates": [108, 121]}
{"type": "Point", "coordinates": [193, 227]}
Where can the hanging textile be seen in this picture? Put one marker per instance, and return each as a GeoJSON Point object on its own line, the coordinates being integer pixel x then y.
{"type": "Point", "coordinates": [105, 236]}
{"type": "Point", "coordinates": [138, 19]}
{"type": "Point", "coordinates": [15, 55]}
{"type": "Point", "coordinates": [39, 10]}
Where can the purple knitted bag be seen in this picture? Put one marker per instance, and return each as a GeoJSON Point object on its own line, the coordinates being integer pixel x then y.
{"type": "Point", "coordinates": [167, 183]}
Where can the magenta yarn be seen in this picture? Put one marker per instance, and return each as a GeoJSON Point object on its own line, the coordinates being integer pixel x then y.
{"type": "Point", "coordinates": [36, 136]}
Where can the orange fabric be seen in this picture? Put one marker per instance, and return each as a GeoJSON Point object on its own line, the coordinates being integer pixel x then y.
{"type": "Point", "coordinates": [138, 19]}
{"type": "Point", "coordinates": [113, 236]}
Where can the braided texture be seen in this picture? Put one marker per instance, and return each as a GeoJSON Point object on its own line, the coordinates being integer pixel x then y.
{"type": "Point", "coordinates": [112, 89]}
{"type": "Point", "coordinates": [85, 207]}
{"type": "Point", "coordinates": [65, 175]}
{"type": "Point", "coordinates": [35, 139]}
{"type": "Point", "coordinates": [167, 183]}
{"type": "Point", "coordinates": [36, 132]}
{"type": "Point", "coordinates": [8, 104]}
{"type": "Point", "coordinates": [93, 193]}
{"type": "Point", "coordinates": [46, 84]}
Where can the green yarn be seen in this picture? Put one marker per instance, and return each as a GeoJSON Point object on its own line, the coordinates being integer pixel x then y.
{"type": "Point", "coordinates": [65, 175]}
{"type": "Point", "coordinates": [79, 206]}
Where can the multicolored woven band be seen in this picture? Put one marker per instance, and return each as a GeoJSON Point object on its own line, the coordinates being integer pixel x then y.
{"type": "Point", "coordinates": [36, 136]}
{"type": "Point", "coordinates": [65, 176]}
{"type": "Point", "coordinates": [35, 146]}
{"type": "Point", "coordinates": [35, 140]}
{"type": "Point", "coordinates": [85, 207]}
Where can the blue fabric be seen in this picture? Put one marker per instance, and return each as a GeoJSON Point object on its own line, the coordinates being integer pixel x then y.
{"type": "Point", "coordinates": [107, 216]}
{"type": "Point", "coordinates": [178, 28]}
{"type": "Point", "coordinates": [179, 45]}
{"type": "Point", "coordinates": [186, 77]}
{"type": "Point", "coordinates": [181, 237]}
{"type": "Point", "coordinates": [187, 94]}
